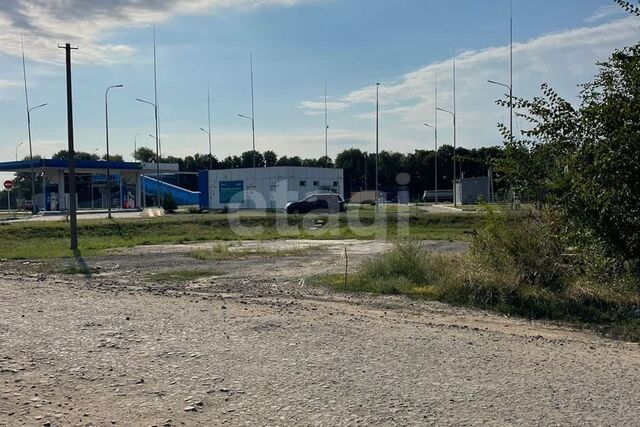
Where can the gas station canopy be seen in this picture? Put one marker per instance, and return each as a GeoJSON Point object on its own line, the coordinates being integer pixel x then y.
{"type": "Point", "coordinates": [85, 166]}
{"type": "Point", "coordinates": [52, 193]}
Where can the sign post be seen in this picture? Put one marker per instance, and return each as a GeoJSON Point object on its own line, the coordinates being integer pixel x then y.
{"type": "Point", "coordinates": [8, 185]}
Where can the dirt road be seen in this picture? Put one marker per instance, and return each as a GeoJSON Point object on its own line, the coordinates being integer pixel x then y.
{"type": "Point", "coordinates": [255, 344]}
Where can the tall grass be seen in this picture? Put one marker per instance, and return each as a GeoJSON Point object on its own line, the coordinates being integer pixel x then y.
{"type": "Point", "coordinates": [516, 266]}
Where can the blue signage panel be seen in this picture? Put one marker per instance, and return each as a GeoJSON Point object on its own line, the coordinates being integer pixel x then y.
{"type": "Point", "coordinates": [228, 189]}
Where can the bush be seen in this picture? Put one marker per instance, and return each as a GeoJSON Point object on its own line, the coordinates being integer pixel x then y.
{"type": "Point", "coordinates": [517, 265]}
{"type": "Point", "coordinates": [526, 249]}
{"type": "Point", "coordinates": [169, 204]}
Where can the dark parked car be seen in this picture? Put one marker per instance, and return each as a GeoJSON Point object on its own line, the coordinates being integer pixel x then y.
{"type": "Point", "coordinates": [321, 203]}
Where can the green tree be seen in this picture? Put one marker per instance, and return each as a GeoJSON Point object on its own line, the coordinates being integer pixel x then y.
{"type": "Point", "coordinates": [270, 158]}
{"type": "Point", "coordinates": [584, 160]}
{"type": "Point", "coordinates": [246, 159]}
{"type": "Point", "coordinates": [145, 155]}
{"type": "Point", "coordinates": [629, 7]}
{"type": "Point", "coordinates": [114, 157]}
{"type": "Point", "coordinates": [80, 155]}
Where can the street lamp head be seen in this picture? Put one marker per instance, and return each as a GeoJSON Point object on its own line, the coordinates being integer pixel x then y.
{"type": "Point", "coordinates": [203, 130]}
{"type": "Point", "coordinates": [493, 82]}
{"type": "Point", "coordinates": [38, 106]}
{"type": "Point", "coordinates": [118, 86]}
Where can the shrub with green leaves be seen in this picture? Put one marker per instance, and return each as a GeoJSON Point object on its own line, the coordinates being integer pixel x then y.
{"type": "Point", "coordinates": [169, 204]}
{"type": "Point", "coordinates": [582, 160]}
{"type": "Point", "coordinates": [526, 248]}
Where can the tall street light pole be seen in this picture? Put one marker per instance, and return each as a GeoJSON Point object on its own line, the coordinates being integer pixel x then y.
{"type": "Point", "coordinates": [29, 110]}
{"type": "Point", "coordinates": [208, 132]}
{"type": "Point", "coordinates": [455, 201]}
{"type": "Point", "coordinates": [254, 136]}
{"type": "Point", "coordinates": [366, 158]}
{"type": "Point", "coordinates": [510, 89]}
{"type": "Point", "coordinates": [326, 126]}
{"type": "Point", "coordinates": [135, 146]}
{"type": "Point", "coordinates": [209, 135]}
{"type": "Point", "coordinates": [155, 109]}
{"type": "Point", "coordinates": [377, 138]}
{"type": "Point", "coordinates": [209, 121]}
{"type": "Point", "coordinates": [18, 146]}
{"type": "Point", "coordinates": [253, 114]}
{"type": "Point", "coordinates": [510, 85]}
{"type": "Point", "coordinates": [511, 69]}
{"type": "Point", "coordinates": [435, 161]}
{"type": "Point", "coordinates": [106, 127]}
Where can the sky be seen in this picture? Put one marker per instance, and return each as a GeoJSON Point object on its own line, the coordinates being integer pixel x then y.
{"type": "Point", "coordinates": [296, 45]}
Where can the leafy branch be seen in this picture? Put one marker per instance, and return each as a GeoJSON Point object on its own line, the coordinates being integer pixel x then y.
{"type": "Point", "coordinates": [628, 6]}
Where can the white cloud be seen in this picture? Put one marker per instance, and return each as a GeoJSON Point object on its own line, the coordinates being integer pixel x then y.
{"type": "Point", "coordinates": [313, 108]}
{"type": "Point", "coordinates": [605, 12]}
{"type": "Point", "coordinates": [5, 84]}
{"type": "Point", "coordinates": [564, 60]}
{"type": "Point", "coordinates": [87, 23]}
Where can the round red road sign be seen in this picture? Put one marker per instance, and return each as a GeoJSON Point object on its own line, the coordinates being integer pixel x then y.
{"type": "Point", "coordinates": [8, 184]}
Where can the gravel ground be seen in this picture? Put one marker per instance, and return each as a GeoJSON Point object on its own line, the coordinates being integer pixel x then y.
{"type": "Point", "coordinates": [258, 345]}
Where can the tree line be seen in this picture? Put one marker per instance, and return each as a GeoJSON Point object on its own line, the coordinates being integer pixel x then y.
{"type": "Point", "coordinates": [359, 166]}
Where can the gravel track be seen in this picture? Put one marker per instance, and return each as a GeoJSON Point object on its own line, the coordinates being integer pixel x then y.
{"type": "Point", "coordinates": [259, 346]}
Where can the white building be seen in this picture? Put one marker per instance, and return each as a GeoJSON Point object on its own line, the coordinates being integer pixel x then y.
{"type": "Point", "coordinates": [265, 188]}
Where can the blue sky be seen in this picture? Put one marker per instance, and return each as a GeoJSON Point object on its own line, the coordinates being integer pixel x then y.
{"type": "Point", "coordinates": [296, 44]}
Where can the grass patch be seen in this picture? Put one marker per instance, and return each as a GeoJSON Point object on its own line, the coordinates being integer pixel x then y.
{"type": "Point", "coordinates": [529, 286]}
{"type": "Point", "coordinates": [35, 240]}
{"type": "Point", "coordinates": [222, 252]}
{"type": "Point", "coordinates": [181, 276]}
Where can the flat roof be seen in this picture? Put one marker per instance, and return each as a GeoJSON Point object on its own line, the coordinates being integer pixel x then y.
{"type": "Point", "coordinates": [25, 165]}
{"type": "Point", "coordinates": [82, 165]}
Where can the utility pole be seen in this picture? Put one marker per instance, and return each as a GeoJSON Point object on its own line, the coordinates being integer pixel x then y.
{"type": "Point", "coordinates": [73, 220]}
{"type": "Point", "coordinates": [377, 138]}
